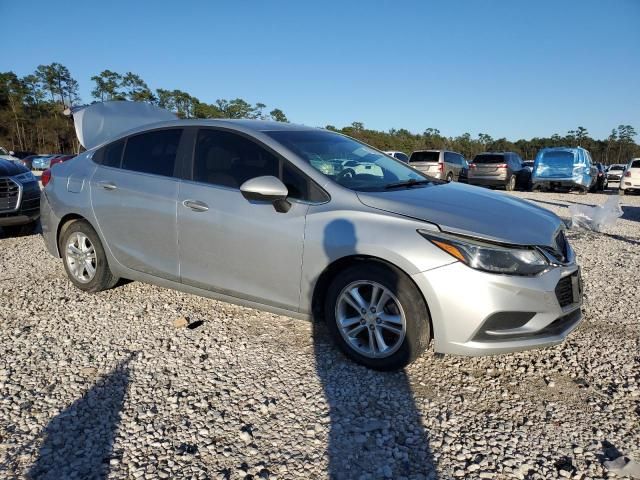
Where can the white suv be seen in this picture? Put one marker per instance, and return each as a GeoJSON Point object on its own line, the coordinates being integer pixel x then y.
{"type": "Point", "coordinates": [630, 180]}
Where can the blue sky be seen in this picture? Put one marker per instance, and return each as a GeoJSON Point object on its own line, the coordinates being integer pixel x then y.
{"type": "Point", "coordinates": [507, 68]}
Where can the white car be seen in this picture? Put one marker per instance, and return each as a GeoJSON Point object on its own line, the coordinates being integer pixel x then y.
{"type": "Point", "coordinates": [7, 155]}
{"type": "Point", "coordinates": [630, 181]}
{"type": "Point", "coordinates": [403, 157]}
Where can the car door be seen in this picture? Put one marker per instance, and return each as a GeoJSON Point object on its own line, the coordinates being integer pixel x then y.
{"type": "Point", "coordinates": [133, 195]}
{"type": "Point", "coordinates": [228, 244]}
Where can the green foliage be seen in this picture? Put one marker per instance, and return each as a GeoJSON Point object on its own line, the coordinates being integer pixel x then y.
{"type": "Point", "coordinates": [31, 118]}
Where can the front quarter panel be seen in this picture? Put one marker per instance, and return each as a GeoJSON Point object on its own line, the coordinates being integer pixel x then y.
{"type": "Point", "coordinates": [333, 233]}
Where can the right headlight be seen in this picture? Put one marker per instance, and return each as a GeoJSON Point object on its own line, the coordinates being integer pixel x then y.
{"type": "Point", "coordinates": [490, 257]}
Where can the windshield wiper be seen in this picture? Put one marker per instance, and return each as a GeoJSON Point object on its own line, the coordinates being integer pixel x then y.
{"type": "Point", "coordinates": [412, 182]}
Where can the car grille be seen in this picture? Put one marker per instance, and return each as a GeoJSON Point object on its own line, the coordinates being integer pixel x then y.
{"type": "Point", "coordinates": [564, 291]}
{"type": "Point", "coordinates": [9, 194]}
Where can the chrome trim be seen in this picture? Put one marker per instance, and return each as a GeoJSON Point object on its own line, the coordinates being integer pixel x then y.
{"type": "Point", "coordinates": [19, 201]}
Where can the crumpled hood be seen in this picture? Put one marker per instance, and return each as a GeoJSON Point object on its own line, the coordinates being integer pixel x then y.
{"type": "Point", "coordinates": [9, 168]}
{"type": "Point", "coordinates": [472, 211]}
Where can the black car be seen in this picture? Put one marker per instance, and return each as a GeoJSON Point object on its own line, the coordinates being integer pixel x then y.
{"type": "Point", "coordinates": [19, 199]}
{"type": "Point", "coordinates": [601, 179]}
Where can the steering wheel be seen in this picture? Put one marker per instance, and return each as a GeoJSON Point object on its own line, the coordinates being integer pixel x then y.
{"type": "Point", "coordinates": [346, 174]}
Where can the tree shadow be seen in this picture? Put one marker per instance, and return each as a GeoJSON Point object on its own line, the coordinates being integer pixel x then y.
{"type": "Point", "coordinates": [79, 440]}
{"type": "Point", "coordinates": [376, 429]}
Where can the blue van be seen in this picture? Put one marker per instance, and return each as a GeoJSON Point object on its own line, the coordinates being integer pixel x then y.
{"type": "Point", "coordinates": [564, 167]}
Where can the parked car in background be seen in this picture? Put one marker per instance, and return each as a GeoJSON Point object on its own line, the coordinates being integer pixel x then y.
{"type": "Point", "coordinates": [564, 167]}
{"type": "Point", "coordinates": [60, 159]}
{"type": "Point", "coordinates": [630, 181]}
{"type": "Point", "coordinates": [44, 161]}
{"type": "Point", "coordinates": [615, 172]}
{"type": "Point", "coordinates": [243, 211]}
{"type": "Point", "coordinates": [8, 155]}
{"type": "Point", "coordinates": [19, 198]}
{"type": "Point", "coordinates": [499, 169]}
{"type": "Point", "coordinates": [399, 155]}
{"type": "Point", "coordinates": [440, 164]}
{"type": "Point", "coordinates": [601, 181]}
{"type": "Point", "coordinates": [28, 161]}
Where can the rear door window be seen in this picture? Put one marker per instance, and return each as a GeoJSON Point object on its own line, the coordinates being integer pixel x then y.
{"type": "Point", "coordinates": [152, 152]}
{"type": "Point", "coordinates": [112, 154]}
{"type": "Point", "coordinates": [433, 157]}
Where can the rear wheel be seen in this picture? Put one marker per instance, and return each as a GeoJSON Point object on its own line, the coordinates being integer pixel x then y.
{"type": "Point", "coordinates": [84, 259]}
{"type": "Point", "coordinates": [377, 316]}
{"type": "Point", "coordinates": [449, 177]}
{"type": "Point", "coordinates": [511, 184]}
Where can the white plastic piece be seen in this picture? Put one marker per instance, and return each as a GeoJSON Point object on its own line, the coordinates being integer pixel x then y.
{"type": "Point", "coordinates": [596, 218]}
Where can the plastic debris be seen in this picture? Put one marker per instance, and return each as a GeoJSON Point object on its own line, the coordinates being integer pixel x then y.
{"type": "Point", "coordinates": [596, 218]}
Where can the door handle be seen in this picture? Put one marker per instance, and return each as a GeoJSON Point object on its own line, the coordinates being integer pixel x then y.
{"type": "Point", "coordinates": [196, 205]}
{"type": "Point", "coordinates": [107, 185]}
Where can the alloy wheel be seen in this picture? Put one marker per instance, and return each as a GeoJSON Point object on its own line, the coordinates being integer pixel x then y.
{"type": "Point", "coordinates": [370, 319]}
{"type": "Point", "coordinates": [81, 257]}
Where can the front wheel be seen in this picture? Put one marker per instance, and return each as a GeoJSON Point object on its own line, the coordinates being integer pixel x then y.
{"type": "Point", "coordinates": [377, 316]}
{"type": "Point", "coordinates": [84, 259]}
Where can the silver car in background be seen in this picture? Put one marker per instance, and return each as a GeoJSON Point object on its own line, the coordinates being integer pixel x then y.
{"type": "Point", "coordinates": [311, 224]}
{"type": "Point", "coordinates": [440, 164]}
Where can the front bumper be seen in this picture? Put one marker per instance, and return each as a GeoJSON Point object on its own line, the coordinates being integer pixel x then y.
{"type": "Point", "coordinates": [478, 313]}
{"type": "Point", "coordinates": [28, 208]}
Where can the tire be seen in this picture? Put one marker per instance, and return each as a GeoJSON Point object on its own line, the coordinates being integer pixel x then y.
{"type": "Point", "coordinates": [417, 329]}
{"type": "Point", "coordinates": [20, 230]}
{"type": "Point", "coordinates": [102, 278]}
{"type": "Point", "coordinates": [449, 177]}
{"type": "Point", "coordinates": [510, 186]}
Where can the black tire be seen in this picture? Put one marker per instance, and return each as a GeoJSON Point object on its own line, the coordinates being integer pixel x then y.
{"type": "Point", "coordinates": [449, 177]}
{"type": "Point", "coordinates": [20, 230]}
{"type": "Point", "coordinates": [510, 186]}
{"type": "Point", "coordinates": [418, 325]}
{"type": "Point", "coordinates": [103, 278]}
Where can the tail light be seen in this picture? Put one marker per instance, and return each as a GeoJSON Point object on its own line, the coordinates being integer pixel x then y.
{"type": "Point", "coordinates": [441, 167]}
{"type": "Point", "coordinates": [502, 165]}
{"type": "Point", "coordinates": [627, 173]}
{"type": "Point", "coordinates": [45, 177]}
{"type": "Point", "coordinates": [472, 165]}
{"type": "Point", "coordinates": [55, 161]}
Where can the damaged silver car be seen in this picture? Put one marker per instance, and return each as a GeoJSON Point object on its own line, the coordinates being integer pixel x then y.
{"type": "Point", "coordinates": [312, 224]}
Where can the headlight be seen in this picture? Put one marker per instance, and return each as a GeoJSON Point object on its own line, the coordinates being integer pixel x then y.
{"type": "Point", "coordinates": [489, 257]}
{"type": "Point", "coordinates": [25, 177]}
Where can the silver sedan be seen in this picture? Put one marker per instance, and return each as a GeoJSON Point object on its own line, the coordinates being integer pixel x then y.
{"type": "Point", "coordinates": [313, 224]}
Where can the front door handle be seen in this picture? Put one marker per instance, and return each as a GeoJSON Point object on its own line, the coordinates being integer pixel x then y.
{"type": "Point", "coordinates": [107, 185]}
{"type": "Point", "coordinates": [196, 205]}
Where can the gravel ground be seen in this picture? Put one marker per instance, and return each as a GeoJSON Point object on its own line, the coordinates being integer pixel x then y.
{"type": "Point", "coordinates": [107, 385]}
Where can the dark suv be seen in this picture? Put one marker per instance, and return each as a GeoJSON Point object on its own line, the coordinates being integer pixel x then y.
{"type": "Point", "coordinates": [19, 199]}
{"type": "Point", "coordinates": [502, 169]}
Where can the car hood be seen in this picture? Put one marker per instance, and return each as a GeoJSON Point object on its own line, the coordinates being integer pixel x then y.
{"type": "Point", "coordinates": [472, 211]}
{"type": "Point", "coordinates": [9, 168]}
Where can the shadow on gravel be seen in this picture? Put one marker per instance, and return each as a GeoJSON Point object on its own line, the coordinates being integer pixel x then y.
{"type": "Point", "coordinates": [78, 441]}
{"type": "Point", "coordinates": [376, 430]}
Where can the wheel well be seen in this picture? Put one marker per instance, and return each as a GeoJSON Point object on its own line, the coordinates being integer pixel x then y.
{"type": "Point", "coordinates": [64, 224]}
{"type": "Point", "coordinates": [329, 273]}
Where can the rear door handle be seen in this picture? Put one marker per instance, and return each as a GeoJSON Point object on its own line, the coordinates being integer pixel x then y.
{"type": "Point", "coordinates": [196, 205]}
{"type": "Point", "coordinates": [107, 185]}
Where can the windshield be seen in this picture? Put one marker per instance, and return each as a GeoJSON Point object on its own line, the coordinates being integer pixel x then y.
{"type": "Point", "coordinates": [348, 162]}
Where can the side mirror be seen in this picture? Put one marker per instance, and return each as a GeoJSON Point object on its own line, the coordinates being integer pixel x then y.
{"type": "Point", "coordinates": [267, 189]}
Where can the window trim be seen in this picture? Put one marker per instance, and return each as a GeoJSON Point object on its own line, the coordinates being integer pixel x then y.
{"type": "Point", "coordinates": [190, 164]}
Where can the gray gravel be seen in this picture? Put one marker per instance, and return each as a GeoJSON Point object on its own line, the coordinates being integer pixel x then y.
{"type": "Point", "coordinates": [110, 384]}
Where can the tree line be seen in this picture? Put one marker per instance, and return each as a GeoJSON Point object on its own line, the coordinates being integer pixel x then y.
{"type": "Point", "coordinates": [31, 118]}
